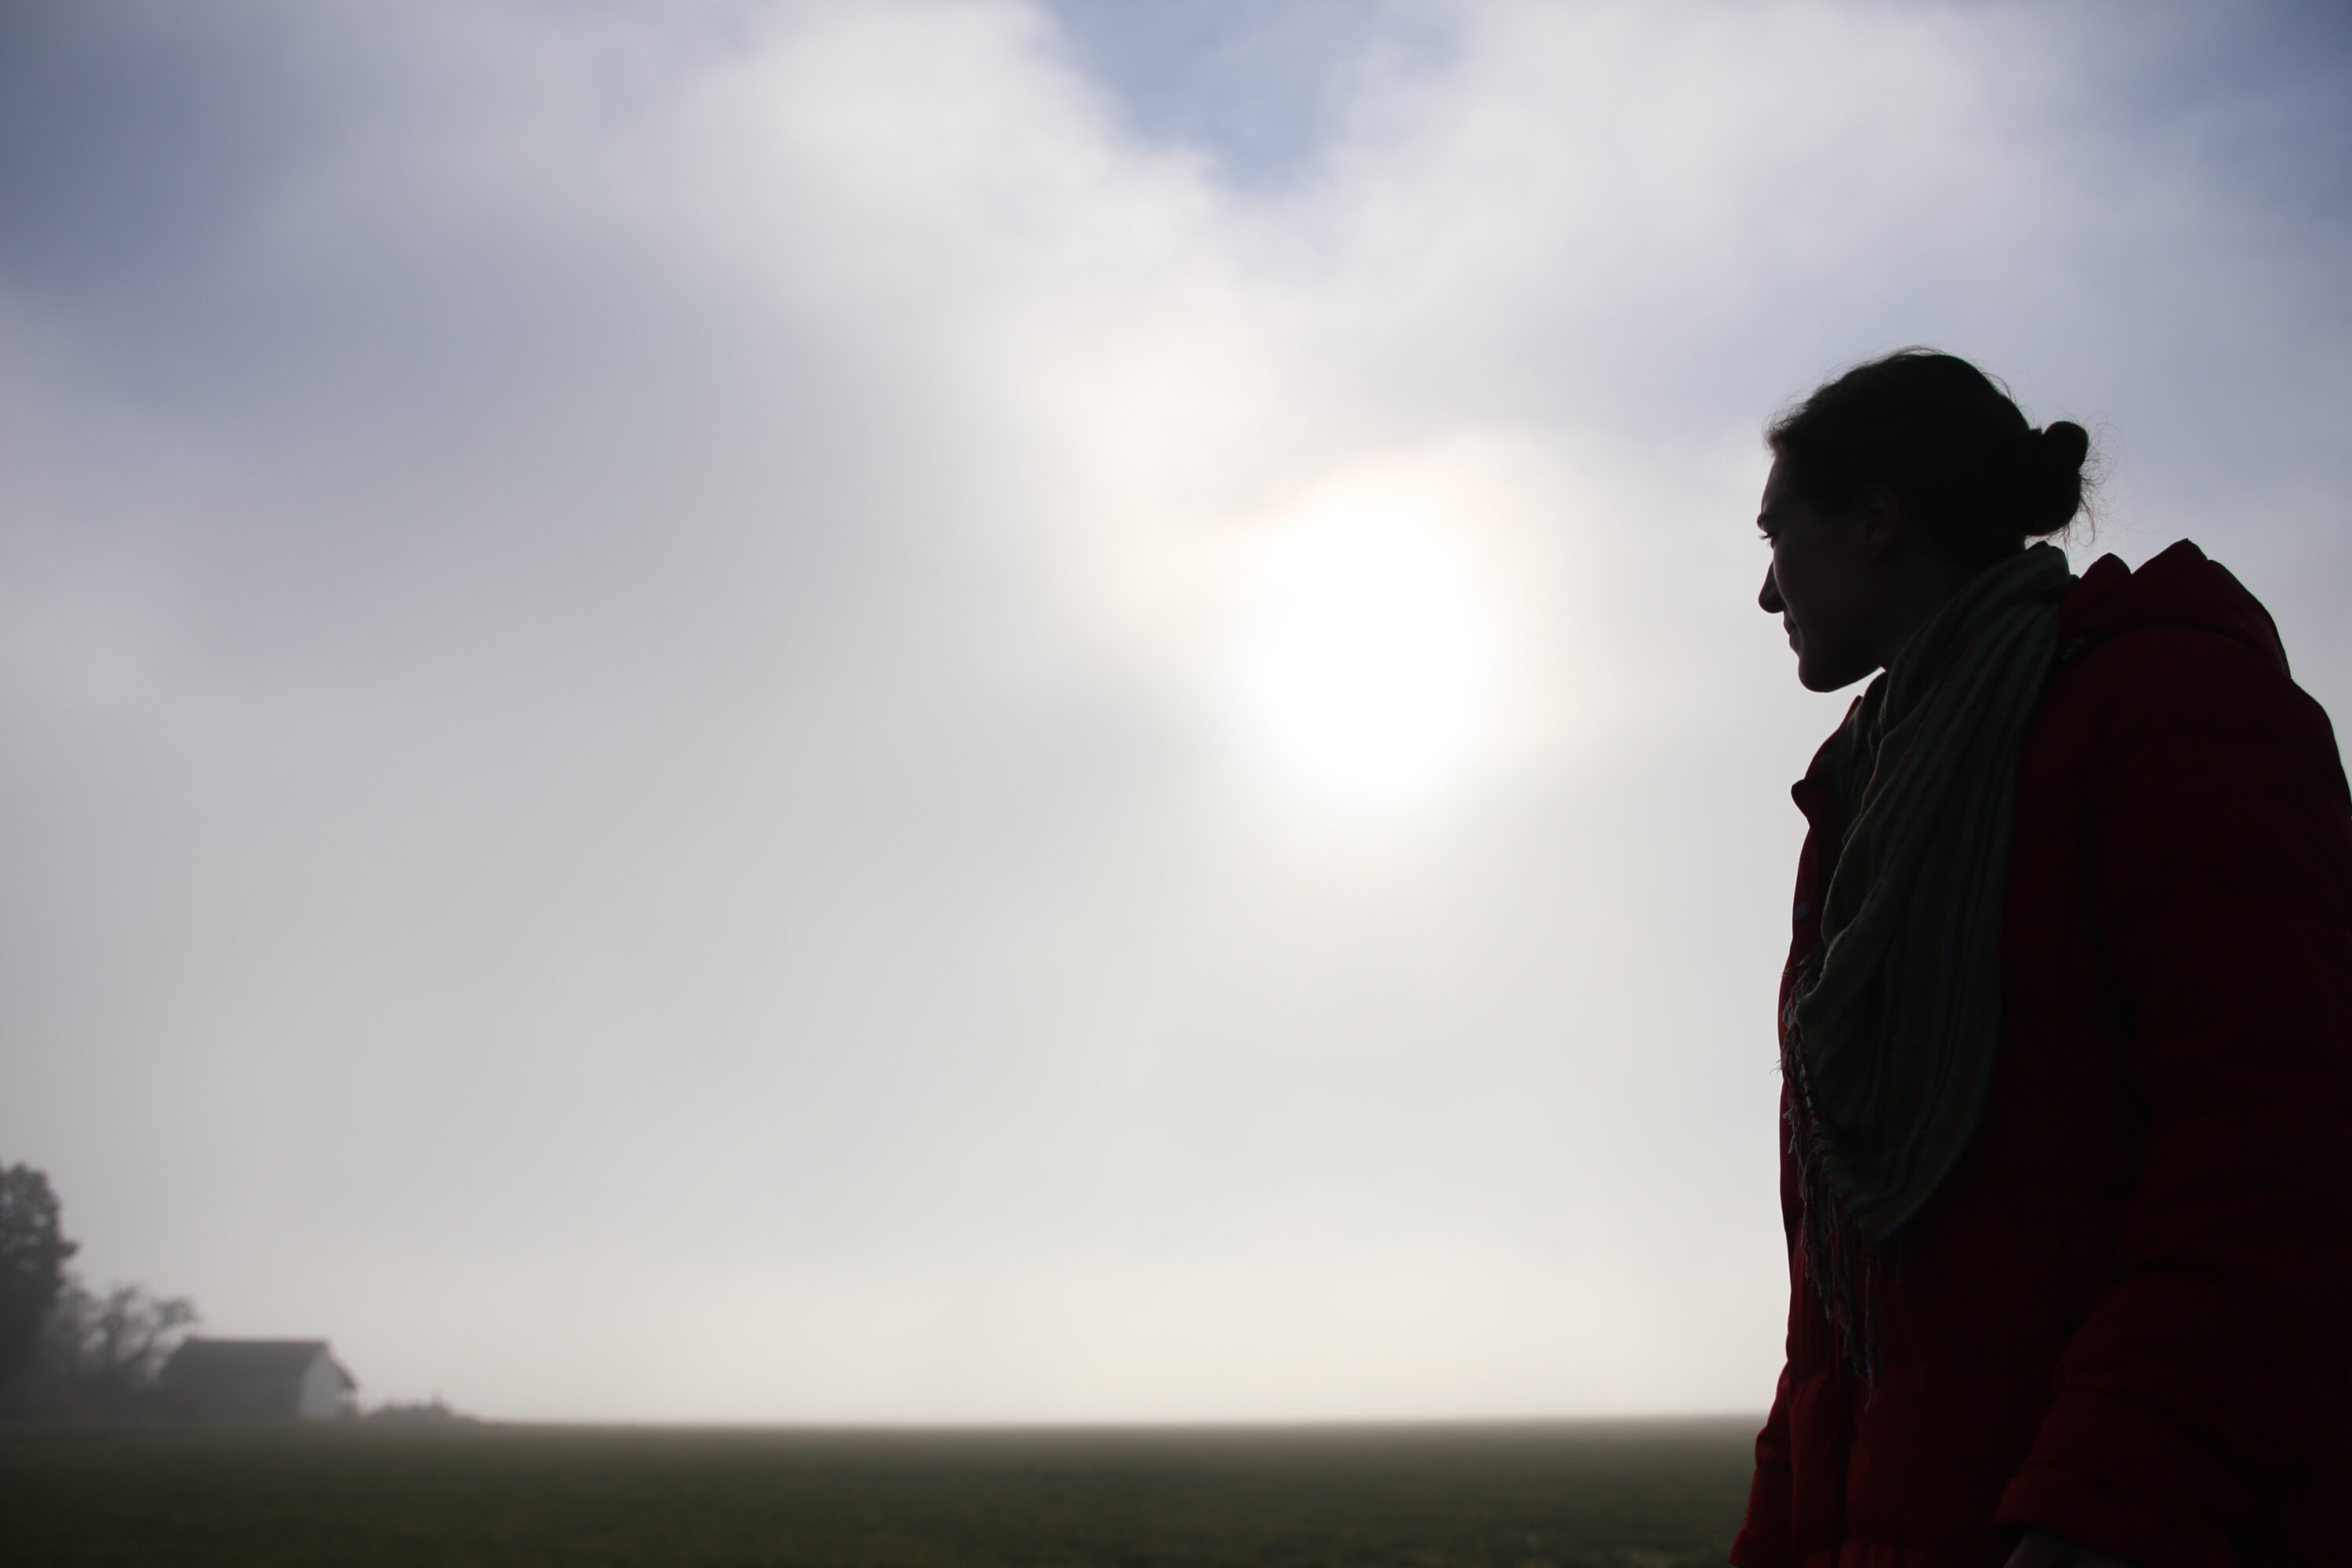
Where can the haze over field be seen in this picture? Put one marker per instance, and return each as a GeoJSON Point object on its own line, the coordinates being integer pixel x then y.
{"type": "Point", "coordinates": [899, 711]}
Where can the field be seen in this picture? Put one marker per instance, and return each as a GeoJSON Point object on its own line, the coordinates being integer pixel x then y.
{"type": "Point", "coordinates": [1629, 1495]}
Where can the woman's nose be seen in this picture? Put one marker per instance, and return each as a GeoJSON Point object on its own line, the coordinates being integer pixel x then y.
{"type": "Point", "coordinates": [1770, 597]}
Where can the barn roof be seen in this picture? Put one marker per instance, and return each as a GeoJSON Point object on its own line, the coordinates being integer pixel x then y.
{"type": "Point", "coordinates": [201, 1361]}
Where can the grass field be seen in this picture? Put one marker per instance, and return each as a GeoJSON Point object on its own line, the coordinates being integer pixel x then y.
{"type": "Point", "coordinates": [1628, 1495]}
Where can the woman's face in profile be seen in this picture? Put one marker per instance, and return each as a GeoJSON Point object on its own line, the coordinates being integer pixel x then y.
{"type": "Point", "coordinates": [1820, 585]}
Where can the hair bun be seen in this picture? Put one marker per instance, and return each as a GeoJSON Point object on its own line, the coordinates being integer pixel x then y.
{"type": "Point", "coordinates": [2061, 447]}
{"type": "Point", "coordinates": [2053, 481]}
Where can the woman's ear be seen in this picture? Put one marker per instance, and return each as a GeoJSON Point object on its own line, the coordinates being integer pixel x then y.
{"type": "Point", "coordinates": [1877, 514]}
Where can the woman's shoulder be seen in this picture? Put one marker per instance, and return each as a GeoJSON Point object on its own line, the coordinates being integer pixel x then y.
{"type": "Point", "coordinates": [2180, 628]}
{"type": "Point", "coordinates": [2178, 667]}
{"type": "Point", "coordinates": [2162, 666]}
{"type": "Point", "coordinates": [2181, 605]}
{"type": "Point", "coordinates": [2195, 687]}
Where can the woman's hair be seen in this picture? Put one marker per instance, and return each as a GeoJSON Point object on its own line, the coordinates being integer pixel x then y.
{"type": "Point", "coordinates": [1946, 441]}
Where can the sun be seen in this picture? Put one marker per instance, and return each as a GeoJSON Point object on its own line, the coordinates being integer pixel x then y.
{"type": "Point", "coordinates": [1368, 659]}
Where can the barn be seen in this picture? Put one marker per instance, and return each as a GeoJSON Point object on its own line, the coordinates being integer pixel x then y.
{"type": "Point", "coordinates": [255, 1380]}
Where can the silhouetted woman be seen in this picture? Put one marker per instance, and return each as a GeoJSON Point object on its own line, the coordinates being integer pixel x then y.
{"type": "Point", "coordinates": [2066, 1027]}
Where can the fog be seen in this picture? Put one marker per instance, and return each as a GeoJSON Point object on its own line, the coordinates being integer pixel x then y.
{"type": "Point", "coordinates": [897, 712]}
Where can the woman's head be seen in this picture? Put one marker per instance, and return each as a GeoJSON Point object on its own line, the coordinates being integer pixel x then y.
{"type": "Point", "coordinates": [1891, 486]}
{"type": "Point", "coordinates": [1947, 442]}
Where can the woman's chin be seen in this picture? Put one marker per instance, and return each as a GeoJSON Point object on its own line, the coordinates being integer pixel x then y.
{"type": "Point", "coordinates": [1820, 675]}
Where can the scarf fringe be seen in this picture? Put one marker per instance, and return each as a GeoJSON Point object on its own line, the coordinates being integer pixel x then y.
{"type": "Point", "coordinates": [1840, 1263]}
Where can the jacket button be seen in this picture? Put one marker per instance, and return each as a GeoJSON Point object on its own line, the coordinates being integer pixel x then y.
{"type": "Point", "coordinates": [1803, 909]}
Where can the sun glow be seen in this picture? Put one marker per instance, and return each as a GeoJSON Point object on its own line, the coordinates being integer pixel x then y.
{"type": "Point", "coordinates": [1368, 662]}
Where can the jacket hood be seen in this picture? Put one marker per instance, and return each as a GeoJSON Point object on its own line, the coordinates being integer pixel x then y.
{"type": "Point", "coordinates": [2179, 589]}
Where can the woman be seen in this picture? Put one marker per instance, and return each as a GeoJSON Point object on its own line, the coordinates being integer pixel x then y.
{"type": "Point", "coordinates": [2066, 1027]}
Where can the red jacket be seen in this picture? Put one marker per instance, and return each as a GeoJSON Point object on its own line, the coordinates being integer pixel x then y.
{"type": "Point", "coordinates": [2127, 1317]}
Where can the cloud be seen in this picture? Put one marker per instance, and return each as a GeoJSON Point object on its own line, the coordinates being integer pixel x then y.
{"type": "Point", "coordinates": [620, 639]}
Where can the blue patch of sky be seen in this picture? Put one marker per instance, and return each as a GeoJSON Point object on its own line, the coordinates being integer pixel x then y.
{"type": "Point", "coordinates": [127, 135]}
{"type": "Point", "coordinates": [1256, 86]}
{"type": "Point", "coordinates": [2260, 93]}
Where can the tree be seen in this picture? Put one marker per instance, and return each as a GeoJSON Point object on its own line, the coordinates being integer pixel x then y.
{"type": "Point", "coordinates": [100, 1354]}
{"type": "Point", "coordinates": [33, 1253]}
{"type": "Point", "coordinates": [64, 1351]}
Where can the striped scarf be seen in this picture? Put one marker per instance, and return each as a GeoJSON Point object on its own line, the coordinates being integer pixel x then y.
{"type": "Point", "coordinates": [1889, 1039]}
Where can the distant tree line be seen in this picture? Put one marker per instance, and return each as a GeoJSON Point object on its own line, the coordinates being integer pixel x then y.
{"type": "Point", "coordinates": [66, 1351]}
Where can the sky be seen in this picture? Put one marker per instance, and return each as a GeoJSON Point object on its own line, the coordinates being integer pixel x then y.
{"type": "Point", "coordinates": [908, 710]}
